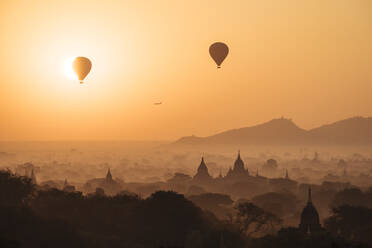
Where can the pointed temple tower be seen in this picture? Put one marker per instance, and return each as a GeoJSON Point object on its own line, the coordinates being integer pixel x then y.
{"type": "Point", "coordinates": [202, 175]}
{"type": "Point", "coordinates": [238, 171]}
{"type": "Point", "coordinates": [239, 164]}
{"type": "Point", "coordinates": [109, 177]}
{"type": "Point", "coordinates": [310, 218]}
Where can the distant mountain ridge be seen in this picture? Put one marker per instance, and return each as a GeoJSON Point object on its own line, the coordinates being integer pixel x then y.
{"type": "Point", "coordinates": [352, 131]}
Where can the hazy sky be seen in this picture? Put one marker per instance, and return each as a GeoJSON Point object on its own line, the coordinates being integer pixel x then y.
{"type": "Point", "coordinates": [306, 60]}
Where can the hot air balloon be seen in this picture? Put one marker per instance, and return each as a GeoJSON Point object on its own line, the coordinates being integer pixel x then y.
{"type": "Point", "coordinates": [81, 67]}
{"type": "Point", "coordinates": [218, 52]}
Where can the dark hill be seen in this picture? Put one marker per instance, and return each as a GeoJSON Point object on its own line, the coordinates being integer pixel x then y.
{"type": "Point", "coordinates": [353, 131]}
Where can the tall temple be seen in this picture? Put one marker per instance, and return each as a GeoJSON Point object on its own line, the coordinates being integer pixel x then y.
{"type": "Point", "coordinates": [202, 175]}
{"type": "Point", "coordinates": [238, 170]}
{"type": "Point", "coordinates": [310, 218]}
{"type": "Point", "coordinates": [67, 187]}
{"type": "Point", "coordinates": [109, 177]}
{"type": "Point", "coordinates": [107, 184]}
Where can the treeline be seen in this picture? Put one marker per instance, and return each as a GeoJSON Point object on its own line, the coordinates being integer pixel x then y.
{"type": "Point", "coordinates": [54, 218]}
{"type": "Point", "coordinates": [30, 217]}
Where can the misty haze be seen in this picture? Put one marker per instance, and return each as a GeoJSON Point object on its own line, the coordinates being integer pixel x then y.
{"type": "Point", "coordinates": [185, 124]}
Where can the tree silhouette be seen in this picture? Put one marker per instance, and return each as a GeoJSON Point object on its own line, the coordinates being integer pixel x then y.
{"type": "Point", "coordinates": [351, 222]}
{"type": "Point", "coordinates": [14, 190]}
{"type": "Point", "coordinates": [349, 196]}
{"type": "Point", "coordinates": [252, 219]}
{"type": "Point", "coordinates": [278, 203]}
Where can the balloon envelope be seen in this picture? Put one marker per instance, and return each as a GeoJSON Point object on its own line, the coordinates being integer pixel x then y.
{"type": "Point", "coordinates": [218, 52]}
{"type": "Point", "coordinates": [81, 67]}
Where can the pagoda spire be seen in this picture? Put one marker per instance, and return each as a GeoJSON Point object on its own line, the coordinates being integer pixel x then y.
{"type": "Point", "coordinates": [108, 176]}
{"type": "Point", "coordinates": [310, 223]}
{"type": "Point", "coordinates": [239, 165]}
{"type": "Point", "coordinates": [309, 200]}
{"type": "Point", "coordinates": [286, 174]}
{"type": "Point", "coordinates": [202, 166]}
{"type": "Point", "coordinates": [202, 172]}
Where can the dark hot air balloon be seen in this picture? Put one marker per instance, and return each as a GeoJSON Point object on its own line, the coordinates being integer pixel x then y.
{"type": "Point", "coordinates": [218, 52]}
{"type": "Point", "coordinates": [81, 67]}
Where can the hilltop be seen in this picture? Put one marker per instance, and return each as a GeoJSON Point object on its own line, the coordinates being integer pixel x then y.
{"type": "Point", "coordinates": [352, 131]}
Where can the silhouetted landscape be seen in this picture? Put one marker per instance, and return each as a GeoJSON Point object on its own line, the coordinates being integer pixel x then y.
{"type": "Point", "coordinates": [185, 124]}
{"type": "Point", "coordinates": [153, 194]}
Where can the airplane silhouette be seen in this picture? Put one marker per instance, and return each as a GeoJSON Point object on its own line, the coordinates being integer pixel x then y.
{"type": "Point", "coordinates": [157, 103]}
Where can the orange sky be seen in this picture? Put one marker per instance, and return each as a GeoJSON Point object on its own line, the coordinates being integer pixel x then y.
{"type": "Point", "coordinates": [306, 60]}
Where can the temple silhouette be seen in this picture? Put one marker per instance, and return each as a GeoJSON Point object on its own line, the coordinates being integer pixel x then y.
{"type": "Point", "coordinates": [202, 174]}
{"type": "Point", "coordinates": [310, 218]}
{"type": "Point", "coordinates": [238, 170]}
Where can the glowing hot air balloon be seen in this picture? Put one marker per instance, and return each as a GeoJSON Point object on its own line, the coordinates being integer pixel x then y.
{"type": "Point", "coordinates": [218, 52]}
{"type": "Point", "coordinates": [81, 67]}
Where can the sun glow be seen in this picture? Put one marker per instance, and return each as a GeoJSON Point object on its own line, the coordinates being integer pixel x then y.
{"type": "Point", "coordinates": [68, 70]}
